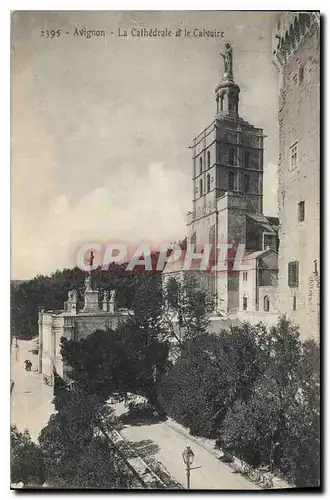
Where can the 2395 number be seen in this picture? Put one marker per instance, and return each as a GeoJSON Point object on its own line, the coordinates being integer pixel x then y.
{"type": "Point", "coordinates": [50, 33]}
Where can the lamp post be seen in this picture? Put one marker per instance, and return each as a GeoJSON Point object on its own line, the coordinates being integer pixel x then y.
{"type": "Point", "coordinates": [188, 458]}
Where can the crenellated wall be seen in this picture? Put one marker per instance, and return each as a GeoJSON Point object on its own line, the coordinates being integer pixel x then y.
{"type": "Point", "coordinates": [296, 54]}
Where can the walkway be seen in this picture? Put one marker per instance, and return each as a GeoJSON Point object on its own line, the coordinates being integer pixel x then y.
{"type": "Point", "coordinates": [31, 404]}
{"type": "Point", "coordinates": [168, 442]}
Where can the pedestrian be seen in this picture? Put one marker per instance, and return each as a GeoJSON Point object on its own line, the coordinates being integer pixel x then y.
{"type": "Point", "coordinates": [28, 365]}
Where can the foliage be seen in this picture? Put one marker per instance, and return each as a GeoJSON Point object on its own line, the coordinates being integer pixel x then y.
{"type": "Point", "coordinates": [256, 392]}
{"type": "Point", "coordinates": [116, 362]}
{"type": "Point", "coordinates": [279, 424]}
{"type": "Point", "coordinates": [50, 292]}
{"type": "Point", "coordinates": [75, 455]}
{"type": "Point", "coordinates": [210, 374]}
{"type": "Point", "coordinates": [186, 308]}
{"type": "Point", "coordinates": [27, 461]}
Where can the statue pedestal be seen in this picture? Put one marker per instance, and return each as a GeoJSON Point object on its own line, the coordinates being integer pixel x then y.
{"type": "Point", "coordinates": [91, 301]}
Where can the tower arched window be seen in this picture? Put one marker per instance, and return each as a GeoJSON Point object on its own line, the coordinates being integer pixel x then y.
{"type": "Point", "coordinates": [294, 304]}
{"type": "Point", "coordinates": [244, 302]}
{"type": "Point", "coordinates": [222, 98]}
{"type": "Point", "coordinates": [231, 180]}
{"type": "Point", "coordinates": [200, 187]}
{"type": "Point", "coordinates": [200, 164]}
{"type": "Point", "coordinates": [208, 183]}
{"type": "Point", "coordinates": [247, 159]}
{"type": "Point", "coordinates": [246, 183]}
{"type": "Point", "coordinates": [266, 303]}
{"type": "Point", "coordinates": [232, 156]}
{"type": "Point", "coordinates": [208, 159]}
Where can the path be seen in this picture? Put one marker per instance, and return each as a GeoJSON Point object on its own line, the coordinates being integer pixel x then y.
{"type": "Point", "coordinates": [31, 404]}
{"type": "Point", "coordinates": [169, 443]}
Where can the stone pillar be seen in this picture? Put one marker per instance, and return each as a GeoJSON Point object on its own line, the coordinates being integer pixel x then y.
{"type": "Point", "coordinates": [105, 302]}
{"type": "Point", "coordinates": [71, 304]}
{"type": "Point", "coordinates": [91, 301]}
{"type": "Point", "coordinates": [112, 302]}
{"type": "Point", "coordinates": [40, 326]}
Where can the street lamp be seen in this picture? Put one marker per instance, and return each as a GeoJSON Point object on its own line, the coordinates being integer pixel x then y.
{"type": "Point", "coordinates": [188, 458]}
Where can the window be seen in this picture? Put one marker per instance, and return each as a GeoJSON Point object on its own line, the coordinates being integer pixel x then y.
{"type": "Point", "coordinates": [208, 159]}
{"type": "Point", "coordinates": [222, 97]}
{"type": "Point", "coordinates": [293, 274]}
{"type": "Point", "coordinates": [244, 302]}
{"type": "Point", "coordinates": [208, 183]}
{"type": "Point", "coordinates": [232, 157]}
{"type": "Point", "coordinates": [246, 159]}
{"type": "Point", "coordinates": [294, 303]}
{"type": "Point", "coordinates": [269, 240]}
{"type": "Point", "coordinates": [301, 74]}
{"type": "Point", "coordinates": [245, 276]}
{"type": "Point", "coordinates": [266, 303]}
{"type": "Point", "coordinates": [301, 211]}
{"type": "Point", "coordinates": [200, 165]}
{"type": "Point", "coordinates": [246, 183]}
{"type": "Point", "coordinates": [231, 181]}
{"type": "Point", "coordinates": [200, 187]}
{"type": "Point", "coordinates": [294, 156]}
{"type": "Point", "coordinates": [295, 78]}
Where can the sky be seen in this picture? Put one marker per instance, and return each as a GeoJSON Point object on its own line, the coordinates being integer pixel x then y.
{"type": "Point", "coordinates": [101, 127]}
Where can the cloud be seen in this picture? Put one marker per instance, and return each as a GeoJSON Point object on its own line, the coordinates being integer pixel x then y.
{"type": "Point", "coordinates": [128, 207]}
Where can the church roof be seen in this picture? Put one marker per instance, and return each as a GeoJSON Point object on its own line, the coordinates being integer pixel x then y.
{"type": "Point", "coordinates": [259, 253]}
{"type": "Point", "coordinates": [263, 222]}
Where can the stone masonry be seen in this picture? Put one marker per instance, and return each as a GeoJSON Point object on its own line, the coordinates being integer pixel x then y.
{"type": "Point", "coordinates": [296, 55]}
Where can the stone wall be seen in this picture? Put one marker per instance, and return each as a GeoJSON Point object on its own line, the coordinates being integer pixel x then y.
{"type": "Point", "coordinates": [299, 118]}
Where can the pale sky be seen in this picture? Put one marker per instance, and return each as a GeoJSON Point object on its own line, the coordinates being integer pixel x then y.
{"type": "Point", "coordinates": [101, 127]}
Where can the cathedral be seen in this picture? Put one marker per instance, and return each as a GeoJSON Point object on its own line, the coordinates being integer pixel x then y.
{"type": "Point", "coordinates": [227, 206]}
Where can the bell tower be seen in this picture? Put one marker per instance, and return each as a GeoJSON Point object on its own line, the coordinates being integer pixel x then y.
{"type": "Point", "coordinates": [227, 180]}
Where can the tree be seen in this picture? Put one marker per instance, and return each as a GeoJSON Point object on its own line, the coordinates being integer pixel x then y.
{"type": "Point", "coordinates": [96, 363]}
{"type": "Point", "coordinates": [210, 374]}
{"type": "Point", "coordinates": [109, 363]}
{"type": "Point", "coordinates": [278, 425]}
{"type": "Point", "coordinates": [75, 454]}
{"type": "Point", "coordinates": [186, 308]}
{"type": "Point", "coordinates": [27, 460]}
{"type": "Point", "coordinates": [50, 292]}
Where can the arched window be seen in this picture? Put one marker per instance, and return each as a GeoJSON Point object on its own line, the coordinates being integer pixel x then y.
{"type": "Point", "coordinates": [294, 305]}
{"type": "Point", "coordinates": [200, 187]}
{"type": "Point", "coordinates": [266, 303]}
{"type": "Point", "coordinates": [208, 159]}
{"type": "Point", "coordinates": [246, 159]}
{"type": "Point", "coordinates": [208, 183]}
{"type": "Point", "coordinates": [222, 98]}
{"type": "Point", "coordinates": [200, 165]}
{"type": "Point", "coordinates": [231, 181]}
{"type": "Point", "coordinates": [232, 157]}
{"type": "Point", "coordinates": [246, 183]}
{"type": "Point", "coordinates": [244, 302]}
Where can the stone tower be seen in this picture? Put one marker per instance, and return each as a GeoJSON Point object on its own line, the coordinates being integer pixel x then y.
{"type": "Point", "coordinates": [296, 55]}
{"type": "Point", "coordinates": [227, 180]}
